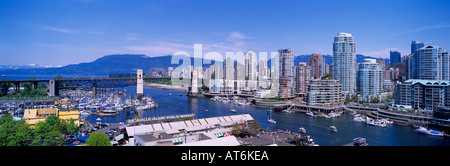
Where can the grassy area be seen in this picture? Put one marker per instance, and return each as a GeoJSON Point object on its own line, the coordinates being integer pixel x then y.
{"type": "Point", "coordinates": [160, 81]}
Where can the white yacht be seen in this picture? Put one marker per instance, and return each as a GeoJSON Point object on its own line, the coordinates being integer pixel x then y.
{"type": "Point", "coordinates": [271, 121]}
{"type": "Point", "coordinates": [428, 131]}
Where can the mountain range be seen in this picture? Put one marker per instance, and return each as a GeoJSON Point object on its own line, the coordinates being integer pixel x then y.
{"type": "Point", "coordinates": [128, 63]}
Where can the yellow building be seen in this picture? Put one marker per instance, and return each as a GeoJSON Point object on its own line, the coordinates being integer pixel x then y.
{"type": "Point", "coordinates": [33, 116]}
{"type": "Point", "coordinates": [67, 114]}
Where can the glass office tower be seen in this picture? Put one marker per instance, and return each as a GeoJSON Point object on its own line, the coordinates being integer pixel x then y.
{"type": "Point", "coordinates": [415, 45]}
{"type": "Point", "coordinates": [395, 57]}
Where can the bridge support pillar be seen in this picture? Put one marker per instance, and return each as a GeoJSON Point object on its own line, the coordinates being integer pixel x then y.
{"type": "Point", "coordinates": [17, 87]}
{"type": "Point", "coordinates": [140, 85]}
{"type": "Point", "coordinates": [192, 90]}
{"type": "Point", "coordinates": [53, 88]}
{"type": "Point", "coordinates": [35, 85]}
{"type": "Point", "coordinates": [94, 90]}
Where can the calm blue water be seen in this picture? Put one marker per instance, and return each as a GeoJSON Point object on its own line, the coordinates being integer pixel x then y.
{"type": "Point", "coordinates": [318, 128]}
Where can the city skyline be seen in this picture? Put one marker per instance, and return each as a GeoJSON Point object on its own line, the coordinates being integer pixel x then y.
{"type": "Point", "coordinates": [55, 33]}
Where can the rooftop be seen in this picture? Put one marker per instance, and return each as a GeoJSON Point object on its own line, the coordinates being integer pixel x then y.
{"type": "Point", "coordinates": [428, 82]}
{"type": "Point", "coordinates": [343, 34]}
{"type": "Point", "coordinates": [189, 125]}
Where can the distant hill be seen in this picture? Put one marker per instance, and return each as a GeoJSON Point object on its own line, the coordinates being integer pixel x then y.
{"type": "Point", "coordinates": [128, 63]}
{"type": "Point", "coordinates": [109, 64]}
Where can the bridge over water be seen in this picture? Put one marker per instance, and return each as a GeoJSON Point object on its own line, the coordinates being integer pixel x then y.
{"type": "Point", "coordinates": [54, 85]}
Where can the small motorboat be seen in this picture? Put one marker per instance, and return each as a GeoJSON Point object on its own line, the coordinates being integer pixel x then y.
{"type": "Point", "coordinates": [302, 130]}
{"type": "Point", "coordinates": [271, 121]}
{"type": "Point", "coordinates": [333, 129]}
{"type": "Point", "coordinates": [233, 110]}
{"type": "Point", "coordinates": [309, 113]}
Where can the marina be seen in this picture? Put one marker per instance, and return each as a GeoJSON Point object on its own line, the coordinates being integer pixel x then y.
{"type": "Point", "coordinates": [318, 128]}
{"type": "Point", "coordinates": [114, 106]}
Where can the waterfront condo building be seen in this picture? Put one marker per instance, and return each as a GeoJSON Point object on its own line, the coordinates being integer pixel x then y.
{"type": "Point", "coordinates": [286, 73]}
{"type": "Point", "coordinates": [251, 71]}
{"type": "Point", "coordinates": [317, 65]}
{"type": "Point", "coordinates": [426, 94]}
{"type": "Point", "coordinates": [302, 76]}
{"type": "Point", "coordinates": [344, 61]}
{"type": "Point", "coordinates": [369, 81]}
{"type": "Point", "coordinates": [430, 63]}
{"type": "Point", "coordinates": [327, 93]}
{"type": "Point", "coordinates": [263, 74]}
{"type": "Point", "coordinates": [229, 75]}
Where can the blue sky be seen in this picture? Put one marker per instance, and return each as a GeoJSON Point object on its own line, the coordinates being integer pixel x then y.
{"type": "Point", "coordinates": [53, 32]}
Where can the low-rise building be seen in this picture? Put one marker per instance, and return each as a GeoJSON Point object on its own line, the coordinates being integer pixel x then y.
{"type": "Point", "coordinates": [33, 116]}
{"type": "Point", "coordinates": [326, 93]}
{"type": "Point", "coordinates": [424, 94]}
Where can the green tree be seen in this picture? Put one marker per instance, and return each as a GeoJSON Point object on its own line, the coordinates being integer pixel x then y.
{"type": "Point", "coordinates": [13, 133]}
{"type": "Point", "coordinates": [253, 127]}
{"type": "Point", "coordinates": [98, 139]}
{"type": "Point", "coordinates": [70, 126]}
{"type": "Point", "coordinates": [47, 134]}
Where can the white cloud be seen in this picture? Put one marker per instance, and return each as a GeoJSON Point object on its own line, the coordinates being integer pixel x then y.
{"type": "Point", "coordinates": [57, 29]}
{"type": "Point", "coordinates": [94, 31]}
{"type": "Point", "coordinates": [429, 27]}
{"type": "Point", "coordinates": [236, 35]}
{"type": "Point", "coordinates": [132, 36]}
{"type": "Point", "coordinates": [234, 41]}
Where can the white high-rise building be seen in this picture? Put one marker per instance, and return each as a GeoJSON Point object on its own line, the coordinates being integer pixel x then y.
{"type": "Point", "coordinates": [430, 63]}
{"type": "Point", "coordinates": [344, 61]}
{"type": "Point", "coordinates": [370, 79]}
{"type": "Point", "coordinates": [263, 74]}
{"type": "Point", "coordinates": [229, 75]}
{"type": "Point", "coordinates": [250, 70]}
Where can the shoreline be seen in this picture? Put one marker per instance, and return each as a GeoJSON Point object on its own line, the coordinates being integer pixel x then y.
{"type": "Point", "coordinates": [165, 87]}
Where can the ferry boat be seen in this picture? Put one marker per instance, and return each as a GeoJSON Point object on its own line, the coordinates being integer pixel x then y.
{"type": "Point", "coordinates": [428, 131]}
